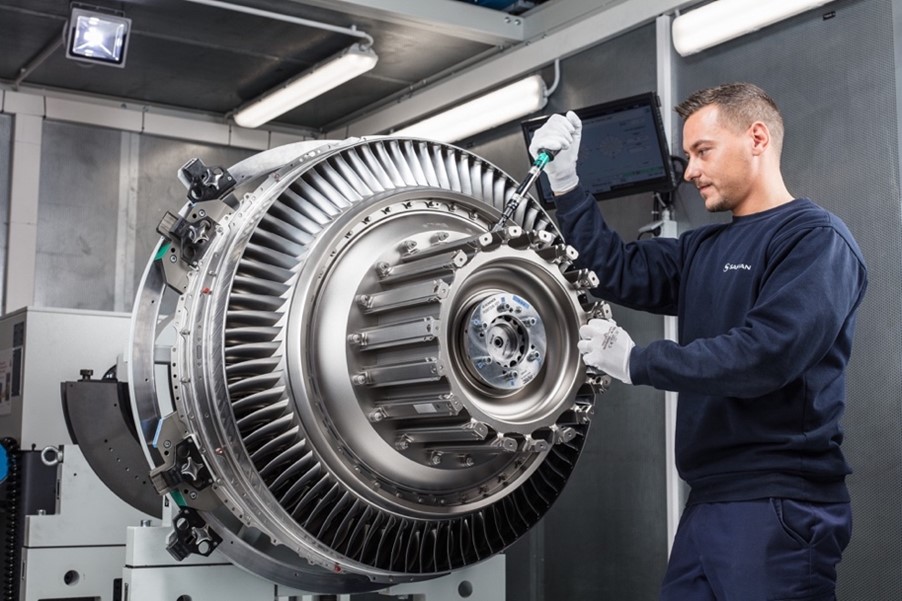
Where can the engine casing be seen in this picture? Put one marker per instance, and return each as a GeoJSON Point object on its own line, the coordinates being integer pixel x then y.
{"type": "Point", "coordinates": [344, 378]}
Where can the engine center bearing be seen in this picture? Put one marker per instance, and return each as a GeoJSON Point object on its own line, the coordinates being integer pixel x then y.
{"type": "Point", "coordinates": [318, 356]}
{"type": "Point", "coordinates": [431, 442]}
{"type": "Point", "coordinates": [522, 412]}
{"type": "Point", "coordinates": [505, 341]}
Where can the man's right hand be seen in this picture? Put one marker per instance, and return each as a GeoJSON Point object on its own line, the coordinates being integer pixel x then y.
{"type": "Point", "coordinates": [561, 134]}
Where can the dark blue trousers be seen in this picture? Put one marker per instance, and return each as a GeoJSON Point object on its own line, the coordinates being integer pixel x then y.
{"type": "Point", "coordinates": [763, 550]}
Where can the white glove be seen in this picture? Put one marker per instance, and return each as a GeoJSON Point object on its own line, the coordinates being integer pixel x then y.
{"type": "Point", "coordinates": [561, 134]}
{"type": "Point", "coordinates": [607, 346]}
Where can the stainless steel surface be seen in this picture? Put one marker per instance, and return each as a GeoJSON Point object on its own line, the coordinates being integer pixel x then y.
{"type": "Point", "coordinates": [313, 391]}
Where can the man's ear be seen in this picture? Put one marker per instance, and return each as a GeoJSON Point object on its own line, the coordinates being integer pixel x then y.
{"type": "Point", "coordinates": [760, 137]}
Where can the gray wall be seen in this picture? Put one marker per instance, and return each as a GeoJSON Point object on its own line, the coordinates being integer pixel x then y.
{"type": "Point", "coordinates": [77, 216]}
{"type": "Point", "coordinates": [88, 176]}
{"type": "Point", "coordinates": [606, 537]}
{"type": "Point", "coordinates": [6, 125]}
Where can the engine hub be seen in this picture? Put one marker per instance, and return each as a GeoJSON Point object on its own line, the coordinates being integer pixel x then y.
{"type": "Point", "coordinates": [505, 338]}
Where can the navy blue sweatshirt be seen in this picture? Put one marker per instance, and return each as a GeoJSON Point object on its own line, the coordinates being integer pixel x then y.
{"type": "Point", "coordinates": [766, 308]}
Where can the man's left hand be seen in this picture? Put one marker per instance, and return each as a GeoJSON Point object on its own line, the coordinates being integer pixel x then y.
{"type": "Point", "coordinates": [607, 346]}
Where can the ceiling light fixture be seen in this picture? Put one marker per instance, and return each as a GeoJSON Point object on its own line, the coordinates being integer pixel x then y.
{"type": "Point", "coordinates": [724, 20]}
{"type": "Point", "coordinates": [97, 37]}
{"type": "Point", "coordinates": [505, 104]}
{"type": "Point", "coordinates": [346, 65]}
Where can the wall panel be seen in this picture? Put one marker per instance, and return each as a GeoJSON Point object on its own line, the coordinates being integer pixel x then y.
{"type": "Point", "coordinates": [6, 126]}
{"type": "Point", "coordinates": [77, 208]}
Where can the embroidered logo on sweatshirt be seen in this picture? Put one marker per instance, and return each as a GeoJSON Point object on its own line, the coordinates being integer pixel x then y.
{"type": "Point", "coordinates": [735, 266]}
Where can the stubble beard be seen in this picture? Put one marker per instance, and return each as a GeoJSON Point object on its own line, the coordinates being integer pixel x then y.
{"type": "Point", "coordinates": [718, 205]}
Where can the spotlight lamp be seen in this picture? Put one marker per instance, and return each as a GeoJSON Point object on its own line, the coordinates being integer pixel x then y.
{"type": "Point", "coordinates": [724, 20]}
{"type": "Point", "coordinates": [97, 37]}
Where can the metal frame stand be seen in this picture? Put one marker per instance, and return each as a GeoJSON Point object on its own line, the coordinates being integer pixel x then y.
{"type": "Point", "coordinates": [78, 551]}
{"type": "Point", "coordinates": [151, 574]}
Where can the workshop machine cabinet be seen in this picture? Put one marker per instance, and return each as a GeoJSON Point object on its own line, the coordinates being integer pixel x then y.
{"type": "Point", "coordinates": [64, 529]}
{"type": "Point", "coordinates": [39, 348]}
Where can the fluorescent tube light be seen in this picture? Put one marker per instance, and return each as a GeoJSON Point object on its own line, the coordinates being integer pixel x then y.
{"type": "Point", "coordinates": [346, 65]}
{"type": "Point", "coordinates": [724, 20]}
{"type": "Point", "coordinates": [97, 37]}
{"type": "Point", "coordinates": [505, 104]}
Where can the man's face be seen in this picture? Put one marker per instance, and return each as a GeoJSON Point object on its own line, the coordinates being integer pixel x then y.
{"type": "Point", "coordinates": [719, 159]}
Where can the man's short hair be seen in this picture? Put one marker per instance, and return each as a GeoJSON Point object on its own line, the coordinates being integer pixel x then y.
{"type": "Point", "coordinates": [740, 104]}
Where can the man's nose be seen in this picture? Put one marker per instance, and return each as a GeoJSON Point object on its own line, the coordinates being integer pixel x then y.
{"type": "Point", "coordinates": [691, 172]}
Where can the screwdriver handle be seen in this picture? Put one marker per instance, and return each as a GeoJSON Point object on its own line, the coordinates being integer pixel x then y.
{"type": "Point", "coordinates": [543, 157]}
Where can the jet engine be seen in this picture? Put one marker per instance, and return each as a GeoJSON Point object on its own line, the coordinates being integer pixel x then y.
{"type": "Point", "coordinates": [345, 377]}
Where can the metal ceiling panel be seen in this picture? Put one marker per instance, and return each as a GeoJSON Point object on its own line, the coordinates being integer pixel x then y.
{"type": "Point", "coordinates": [26, 28]}
{"type": "Point", "coordinates": [464, 20]}
{"type": "Point", "coordinates": [204, 58]}
{"type": "Point", "coordinates": [593, 28]}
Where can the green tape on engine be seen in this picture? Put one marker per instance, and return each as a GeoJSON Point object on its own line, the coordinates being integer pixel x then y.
{"type": "Point", "coordinates": [163, 250]}
{"type": "Point", "coordinates": [178, 498]}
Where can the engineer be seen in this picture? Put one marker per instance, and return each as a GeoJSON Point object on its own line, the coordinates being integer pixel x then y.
{"type": "Point", "coordinates": [766, 307]}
